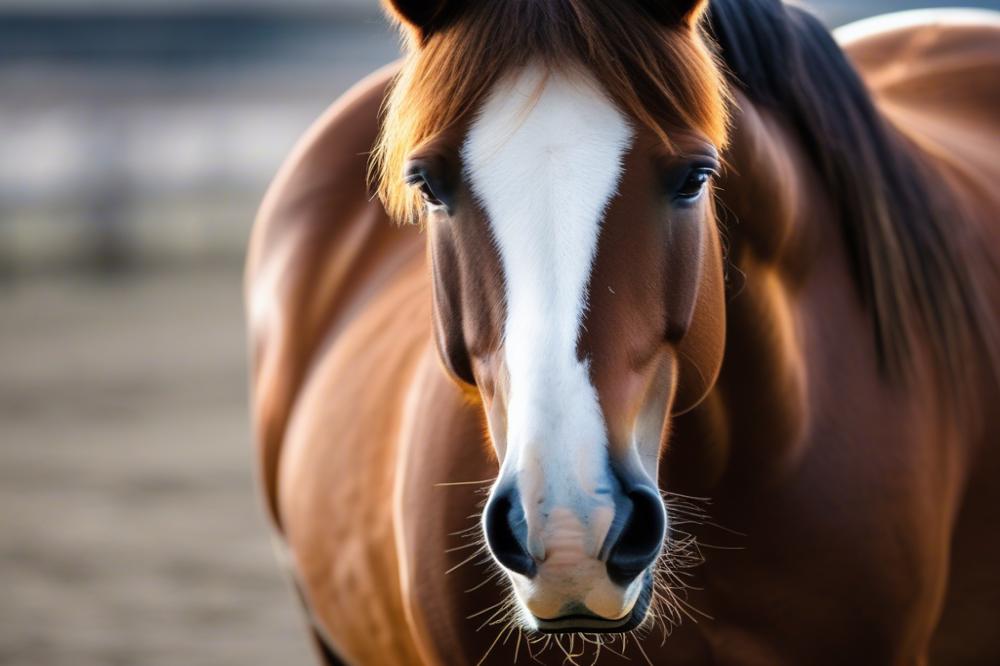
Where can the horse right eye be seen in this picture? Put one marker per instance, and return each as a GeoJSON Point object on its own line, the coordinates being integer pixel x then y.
{"type": "Point", "coordinates": [426, 192]}
{"type": "Point", "coordinates": [431, 189]}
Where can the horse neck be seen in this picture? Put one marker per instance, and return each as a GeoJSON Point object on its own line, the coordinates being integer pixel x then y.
{"type": "Point", "coordinates": [780, 231]}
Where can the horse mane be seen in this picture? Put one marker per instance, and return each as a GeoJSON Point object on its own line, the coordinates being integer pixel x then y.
{"type": "Point", "coordinates": [895, 215]}
{"type": "Point", "coordinates": [664, 78]}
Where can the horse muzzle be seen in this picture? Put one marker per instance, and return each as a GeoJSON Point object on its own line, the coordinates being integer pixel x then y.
{"type": "Point", "coordinates": [579, 561]}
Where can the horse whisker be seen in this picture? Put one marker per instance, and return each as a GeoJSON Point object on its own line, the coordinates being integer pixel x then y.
{"type": "Point", "coordinates": [490, 649]}
{"type": "Point", "coordinates": [449, 484]}
{"type": "Point", "coordinates": [463, 562]}
{"type": "Point", "coordinates": [486, 610]}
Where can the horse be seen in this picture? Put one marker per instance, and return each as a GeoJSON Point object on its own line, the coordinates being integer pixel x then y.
{"type": "Point", "coordinates": [648, 330]}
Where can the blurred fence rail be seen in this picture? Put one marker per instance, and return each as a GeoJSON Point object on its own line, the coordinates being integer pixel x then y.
{"type": "Point", "coordinates": [137, 133]}
{"type": "Point", "coordinates": [130, 138]}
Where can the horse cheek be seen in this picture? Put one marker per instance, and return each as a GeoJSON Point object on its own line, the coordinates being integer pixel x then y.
{"type": "Point", "coordinates": [696, 312]}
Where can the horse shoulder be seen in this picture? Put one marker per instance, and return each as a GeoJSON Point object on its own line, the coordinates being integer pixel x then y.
{"type": "Point", "coordinates": [337, 474]}
{"type": "Point", "coordinates": [366, 486]}
{"type": "Point", "coordinates": [316, 231]}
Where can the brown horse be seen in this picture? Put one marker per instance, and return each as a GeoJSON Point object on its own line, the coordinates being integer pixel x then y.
{"type": "Point", "coordinates": [703, 321]}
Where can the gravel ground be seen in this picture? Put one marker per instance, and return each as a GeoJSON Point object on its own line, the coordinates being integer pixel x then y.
{"type": "Point", "coordinates": [130, 532]}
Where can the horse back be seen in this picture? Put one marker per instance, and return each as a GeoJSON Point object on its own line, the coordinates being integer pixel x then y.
{"type": "Point", "coordinates": [934, 75]}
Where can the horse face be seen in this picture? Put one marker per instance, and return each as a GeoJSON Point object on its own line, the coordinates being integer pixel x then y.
{"type": "Point", "coordinates": [578, 287]}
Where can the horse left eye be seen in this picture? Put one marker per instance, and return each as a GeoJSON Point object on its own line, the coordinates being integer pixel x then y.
{"type": "Point", "coordinates": [693, 185]}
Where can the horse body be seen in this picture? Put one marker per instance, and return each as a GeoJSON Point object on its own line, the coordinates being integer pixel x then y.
{"type": "Point", "coordinates": [852, 516]}
{"type": "Point", "coordinates": [946, 104]}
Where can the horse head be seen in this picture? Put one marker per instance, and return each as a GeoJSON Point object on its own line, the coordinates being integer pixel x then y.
{"type": "Point", "coordinates": [563, 173]}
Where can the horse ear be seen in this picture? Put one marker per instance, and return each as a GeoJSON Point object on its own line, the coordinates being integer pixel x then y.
{"type": "Point", "coordinates": [420, 17]}
{"type": "Point", "coordinates": [676, 12]}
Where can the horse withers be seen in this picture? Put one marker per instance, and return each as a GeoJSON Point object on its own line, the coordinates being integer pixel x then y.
{"type": "Point", "coordinates": [682, 349]}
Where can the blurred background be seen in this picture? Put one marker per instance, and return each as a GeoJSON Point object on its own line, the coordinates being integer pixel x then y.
{"type": "Point", "coordinates": [136, 140]}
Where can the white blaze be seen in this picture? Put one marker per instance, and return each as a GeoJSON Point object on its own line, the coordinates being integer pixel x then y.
{"type": "Point", "coordinates": [544, 157]}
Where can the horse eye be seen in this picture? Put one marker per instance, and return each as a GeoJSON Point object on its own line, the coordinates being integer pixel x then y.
{"type": "Point", "coordinates": [419, 180]}
{"type": "Point", "coordinates": [428, 194]}
{"type": "Point", "coordinates": [693, 185]}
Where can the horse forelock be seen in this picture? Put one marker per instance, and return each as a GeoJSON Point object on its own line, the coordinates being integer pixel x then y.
{"type": "Point", "coordinates": [661, 77]}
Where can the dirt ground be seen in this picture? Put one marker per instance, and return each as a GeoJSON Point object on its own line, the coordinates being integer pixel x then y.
{"type": "Point", "coordinates": [130, 530]}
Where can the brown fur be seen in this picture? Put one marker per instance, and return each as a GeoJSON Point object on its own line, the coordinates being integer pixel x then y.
{"type": "Point", "coordinates": [857, 514]}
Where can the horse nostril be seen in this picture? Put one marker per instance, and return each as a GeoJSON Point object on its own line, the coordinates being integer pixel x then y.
{"type": "Point", "coordinates": [641, 538]}
{"type": "Point", "coordinates": [505, 528]}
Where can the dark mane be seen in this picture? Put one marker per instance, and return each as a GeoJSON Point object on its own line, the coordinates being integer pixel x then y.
{"type": "Point", "coordinates": [895, 220]}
